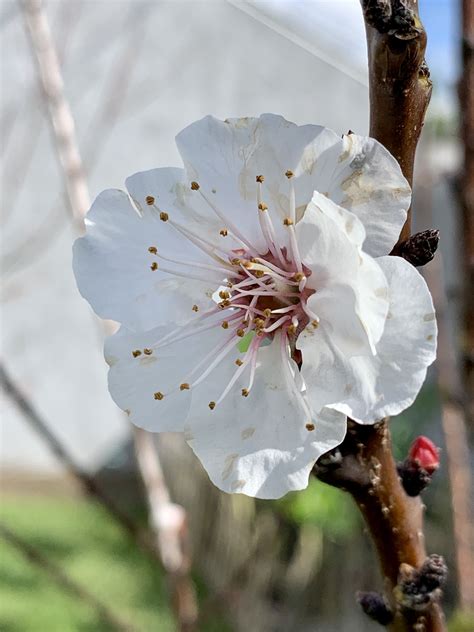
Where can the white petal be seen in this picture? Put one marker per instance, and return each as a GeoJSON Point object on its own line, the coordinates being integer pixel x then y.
{"type": "Point", "coordinates": [226, 156]}
{"type": "Point", "coordinates": [172, 193]}
{"type": "Point", "coordinates": [133, 381]}
{"type": "Point", "coordinates": [351, 289]}
{"type": "Point", "coordinates": [370, 388]}
{"type": "Point", "coordinates": [259, 445]}
{"type": "Point", "coordinates": [112, 265]}
{"type": "Point", "coordinates": [363, 177]}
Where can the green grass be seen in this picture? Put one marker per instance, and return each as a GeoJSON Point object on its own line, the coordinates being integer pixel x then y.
{"type": "Point", "coordinates": [84, 541]}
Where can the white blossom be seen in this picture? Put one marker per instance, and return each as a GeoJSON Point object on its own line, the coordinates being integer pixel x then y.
{"type": "Point", "coordinates": [258, 306]}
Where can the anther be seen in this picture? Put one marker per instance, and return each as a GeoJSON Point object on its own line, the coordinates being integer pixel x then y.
{"type": "Point", "coordinates": [212, 405]}
{"type": "Point", "coordinates": [223, 232]}
{"type": "Point", "coordinates": [259, 322]}
{"type": "Point", "coordinates": [147, 351]}
{"type": "Point", "coordinates": [158, 395]}
{"type": "Point", "coordinates": [267, 312]}
{"type": "Point", "coordinates": [292, 329]}
{"type": "Point", "coordinates": [288, 221]}
{"type": "Point", "coordinates": [259, 179]}
{"type": "Point", "coordinates": [315, 324]}
{"type": "Point", "coordinates": [262, 207]}
{"type": "Point", "coordinates": [194, 186]}
{"type": "Point", "coordinates": [245, 392]}
{"type": "Point", "coordinates": [259, 273]}
{"type": "Point", "coordinates": [238, 362]}
{"type": "Point", "coordinates": [154, 266]}
{"type": "Point", "coordinates": [225, 325]}
{"type": "Point", "coordinates": [153, 250]}
{"type": "Point", "coordinates": [299, 276]}
{"type": "Point", "coordinates": [240, 333]}
{"type": "Point", "coordinates": [289, 174]}
{"type": "Point", "coordinates": [136, 353]}
{"type": "Point", "coordinates": [235, 261]}
{"type": "Point", "coordinates": [309, 427]}
{"type": "Point", "coordinates": [164, 216]}
{"type": "Point", "coordinates": [184, 386]}
{"type": "Point", "coordinates": [150, 200]}
{"type": "Point", "coordinates": [223, 294]}
{"type": "Point", "coordinates": [223, 304]}
{"type": "Point", "coordinates": [195, 308]}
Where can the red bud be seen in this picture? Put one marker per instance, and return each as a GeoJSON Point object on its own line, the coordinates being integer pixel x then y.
{"type": "Point", "coordinates": [424, 452]}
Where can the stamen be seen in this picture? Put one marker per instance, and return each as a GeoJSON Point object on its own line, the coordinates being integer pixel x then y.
{"type": "Point", "coordinates": [276, 324]}
{"type": "Point", "coordinates": [195, 264]}
{"type": "Point", "coordinates": [249, 356]}
{"type": "Point", "coordinates": [236, 232]}
{"type": "Point", "coordinates": [294, 247]}
{"type": "Point", "coordinates": [217, 360]}
{"type": "Point", "coordinates": [289, 376]}
{"type": "Point", "coordinates": [266, 225]}
{"type": "Point", "coordinates": [200, 242]}
{"type": "Point", "coordinates": [154, 267]}
{"type": "Point", "coordinates": [309, 312]}
{"type": "Point", "coordinates": [292, 197]}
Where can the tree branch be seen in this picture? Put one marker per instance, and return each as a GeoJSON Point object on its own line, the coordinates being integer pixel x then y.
{"type": "Point", "coordinates": [400, 90]}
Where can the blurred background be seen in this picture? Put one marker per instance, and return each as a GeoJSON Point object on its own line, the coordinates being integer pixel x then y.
{"type": "Point", "coordinates": [132, 74]}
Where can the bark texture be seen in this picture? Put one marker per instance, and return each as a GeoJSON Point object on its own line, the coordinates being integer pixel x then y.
{"type": "Point", "coordinates": [400, 91]}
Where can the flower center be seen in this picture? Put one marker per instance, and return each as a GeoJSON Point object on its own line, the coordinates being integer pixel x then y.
{"type": "Point", "coordinates": [259, 295]}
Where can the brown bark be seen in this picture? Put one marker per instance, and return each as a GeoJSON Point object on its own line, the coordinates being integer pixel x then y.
{"type": "Point", "coordinates": [400, 90]}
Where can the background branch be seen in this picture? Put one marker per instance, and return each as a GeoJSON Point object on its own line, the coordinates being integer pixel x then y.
{"type": "Point", "coordinates": [169, 531]}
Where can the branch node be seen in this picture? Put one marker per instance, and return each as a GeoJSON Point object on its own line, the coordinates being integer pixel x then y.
{"type": "Point", "coordinates": [420, 248]}
{"type": "Point", "coordinates": [376, 607]}
{"type": "Point", "coordinates": [392, 17]}
{"type": "Point", "coordinates": [418, 589]}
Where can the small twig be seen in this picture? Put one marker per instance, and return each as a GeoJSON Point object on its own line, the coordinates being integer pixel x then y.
{"type": "Point", "coordinates": [60, 577]}
{"type": "Point", "coordinates": [60, 113]}
{"type": "Point", "coordinates": [169, 525]}
{"type": "Point", "coordinates": [457, 444]}
{"type": "Point", "coordinates": [87, 482]}
{"type": "Point", "coordinates": [466, 194]}
{"type": "Point", "coordinates": [168, 521]}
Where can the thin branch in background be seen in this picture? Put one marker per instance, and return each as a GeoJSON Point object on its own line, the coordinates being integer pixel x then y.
{"type": "Point", "coordinates": [169, 531]}
{"type": "Point", "coordinates": [456, 440]}
{"type": "Point", "coordinates": [103, 122]}
{"type": "Point", "coordinates": [466, 194]}
{"type": "Point", "coordinates": [59, 111]}
{"type": "Point", "coordinates": [168, 522]}
{"type": "Point", "coordinates": [87, 482]}
{"type": "Point", "coordinates": [17, 166]}
{"type": "Point", "coordinates": [60, 577]}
